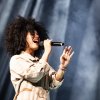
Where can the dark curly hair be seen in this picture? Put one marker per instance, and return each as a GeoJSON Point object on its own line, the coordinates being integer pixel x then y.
{"type": "Point", "coordinates": [17, 31]}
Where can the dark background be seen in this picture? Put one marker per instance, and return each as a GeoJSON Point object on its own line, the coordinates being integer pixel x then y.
{"type": "Point", "coordinates": [74, 22]}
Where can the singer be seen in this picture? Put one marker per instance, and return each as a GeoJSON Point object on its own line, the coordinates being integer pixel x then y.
{"type": "Point", "coordinates": [31, 74]}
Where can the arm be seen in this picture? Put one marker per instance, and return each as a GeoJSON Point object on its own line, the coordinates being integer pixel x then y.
{"type": "Point", "coordinates": [64, 61]}
{"type": "Point", "coordinates": [57, 77]}
{"type": "Point", "coordinates": [47, 49]}
{"type": "Point", "coordinates": [27, 69]}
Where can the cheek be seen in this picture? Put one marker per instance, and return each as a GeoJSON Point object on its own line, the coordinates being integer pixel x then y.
{"type": "Point", "coordinates": [29, 41]}
{"type": "Point", "coordinates": [29, 44]}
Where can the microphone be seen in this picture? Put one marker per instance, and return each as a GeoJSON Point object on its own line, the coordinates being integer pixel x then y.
{"type": "Point", "coordinates": [52, 44]}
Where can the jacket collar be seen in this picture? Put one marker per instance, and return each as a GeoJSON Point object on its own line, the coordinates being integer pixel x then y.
{"type": "Point", "coordinates": [29, 56]}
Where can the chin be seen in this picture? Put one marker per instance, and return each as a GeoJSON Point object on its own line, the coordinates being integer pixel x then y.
{"type": "Point", "coordinates": [36, 48]}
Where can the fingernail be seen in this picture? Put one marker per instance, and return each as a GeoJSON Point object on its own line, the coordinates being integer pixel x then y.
{"type": "Point", "coordinates": [73, 52]}
{"type": "Point", "coordinates": [69, 47]}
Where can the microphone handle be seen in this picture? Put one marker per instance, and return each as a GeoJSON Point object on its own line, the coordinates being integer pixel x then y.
{"type": "Point", "coordinates": [52, 44]}
{"type": "Point", "coordinates": [57, 44]}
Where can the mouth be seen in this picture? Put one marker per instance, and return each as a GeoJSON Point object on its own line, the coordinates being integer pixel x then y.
{"type": "Point", "coordinates": [36, 41]}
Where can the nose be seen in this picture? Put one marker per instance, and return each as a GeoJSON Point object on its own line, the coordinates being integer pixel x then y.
{"type": "Point", "coordinates": [36, 34]}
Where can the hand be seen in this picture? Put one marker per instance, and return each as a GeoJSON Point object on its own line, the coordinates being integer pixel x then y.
{"type": "Point", "coordinates": [66, 57]}
{"type": "Point", "coordinates": [47, 50]}
{"type": "Point", "coordinates": [47, 46]}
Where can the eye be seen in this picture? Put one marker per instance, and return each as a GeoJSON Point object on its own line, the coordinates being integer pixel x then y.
{"type": "Point", "coordinates": [32, 33]}
{"type": "Point", "coordinates": [35, 32]}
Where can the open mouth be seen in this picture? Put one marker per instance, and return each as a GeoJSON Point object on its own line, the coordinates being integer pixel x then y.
{"type": "Point", "coordinates": [36, 41]}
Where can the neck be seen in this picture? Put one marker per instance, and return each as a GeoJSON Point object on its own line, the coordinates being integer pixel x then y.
{"type": "Point", "coordinates": [31, 52]}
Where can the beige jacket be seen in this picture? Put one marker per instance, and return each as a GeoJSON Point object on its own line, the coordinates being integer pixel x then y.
{"type": "Point", "coordinates": [32, 79]}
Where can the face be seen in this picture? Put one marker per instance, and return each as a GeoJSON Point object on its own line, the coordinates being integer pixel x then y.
{"type": "Point", "coordinates": [32, 42]}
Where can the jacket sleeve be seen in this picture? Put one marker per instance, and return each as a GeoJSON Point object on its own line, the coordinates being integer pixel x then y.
{"type": "Point", "coordinates": [54, 83]}
{"type": "Point", "coordinates": [29, 70]}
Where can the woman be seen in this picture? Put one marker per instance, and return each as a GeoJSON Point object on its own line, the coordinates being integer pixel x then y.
{"type": "Point", "coordinates": [31, 75]}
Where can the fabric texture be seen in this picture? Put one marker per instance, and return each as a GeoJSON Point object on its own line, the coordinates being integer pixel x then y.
{"type": "Point", "coordinates": [74, 22]}
{"type": "Point", "coordinates": [32, 78]}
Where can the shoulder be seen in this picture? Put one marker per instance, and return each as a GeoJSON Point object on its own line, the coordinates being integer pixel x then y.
{"type": "Point", "coordinates": [16, 58]}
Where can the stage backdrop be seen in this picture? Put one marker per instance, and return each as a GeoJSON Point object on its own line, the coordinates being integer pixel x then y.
{"type": "Point", "coordinates": [74, 22]}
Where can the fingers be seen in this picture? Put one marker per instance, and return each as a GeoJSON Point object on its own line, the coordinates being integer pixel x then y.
{"type": "Point", "coordinates": [64, 51]}
{"type": "Point", "coordinates": [71, 54]}
{"type": "Point", "coordinates": [47, 42]}
{"type": "Point", "coordinates": [68, 51]}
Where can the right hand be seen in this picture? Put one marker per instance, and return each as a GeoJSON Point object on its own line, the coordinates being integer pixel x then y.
{"type": "Point", "coordinates": [47, 49]}
{"type": "Point", "coordinates": [47, 45]}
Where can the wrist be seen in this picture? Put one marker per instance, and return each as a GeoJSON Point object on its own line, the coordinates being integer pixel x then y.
{"type": "Point", "coordinates": [47, 51]}
{"type": "Point", "coordinates": [45, 56]}
{"type": "Point", "coordinates": [61, 67]}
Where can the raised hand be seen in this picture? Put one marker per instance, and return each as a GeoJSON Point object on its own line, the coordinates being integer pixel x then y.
{"type": "Point", "coordinates": [66, 57]}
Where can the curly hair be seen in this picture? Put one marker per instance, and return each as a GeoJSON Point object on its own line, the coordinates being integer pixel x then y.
{"type": "Point", "coordinates": [17, 31]}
